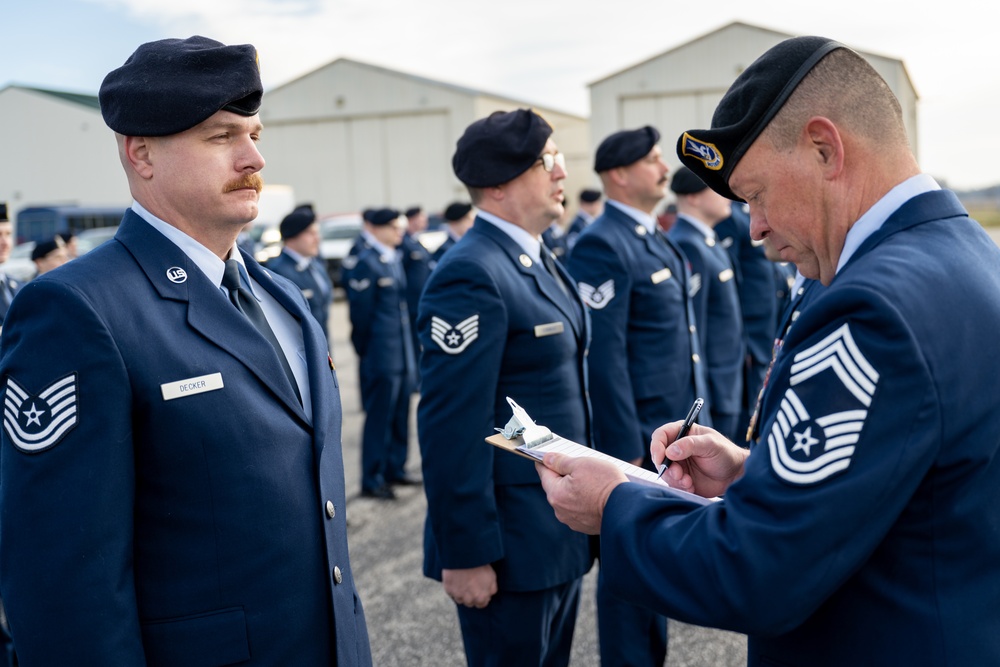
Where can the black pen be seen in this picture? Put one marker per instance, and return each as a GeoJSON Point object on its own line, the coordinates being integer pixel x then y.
{"type": "Point", "coordinates": [685, 427]}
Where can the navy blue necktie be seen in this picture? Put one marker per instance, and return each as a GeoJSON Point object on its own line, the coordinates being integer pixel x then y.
{"type": "Point", "coordinates": [246, 303]}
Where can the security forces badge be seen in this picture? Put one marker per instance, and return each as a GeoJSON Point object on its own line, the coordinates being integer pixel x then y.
{"type": "Point", "coordinates": [823, 410]}
{"type": "Point", "coordinates": [35, 423]}
{"type": "Point", "coordinates": [454, 339]}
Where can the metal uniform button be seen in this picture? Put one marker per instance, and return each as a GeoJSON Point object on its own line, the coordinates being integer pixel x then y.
{"type": "Point", "coordinates": [695, 358]}
{"type": "Point", "coordinates": [337, 575]}
{"type": "Point", "coordinates": [691, 328]}
{"type": "Point", "coordinates": [331, 509]}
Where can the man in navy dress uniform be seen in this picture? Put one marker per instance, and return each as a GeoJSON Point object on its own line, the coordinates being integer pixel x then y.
{"type": "Point", "coordinates": [861, 530]}
{"type": "Point", "coordinates": [499, 319]}
{"type": "Point", "coordinates": [715, 296]}
{"type": "Point", "coordinates": [8, 285]}
{"type": "Point", "coordinates": [298, 261]}
{"type": "Point", "coordinates": [380, 332]}
{"type": "Point", "coordinates": [758, 283]}
{"type": "Point", "coordinates": [458, 217]}
{"type": "Point", "coordinates": [172, 485]}
{"type": "Point", "coordinates": [417, 265]}
{"type": "Point", "coordinates": [588, 209]}
{"type": "Point", "coordinates": [644, 363]}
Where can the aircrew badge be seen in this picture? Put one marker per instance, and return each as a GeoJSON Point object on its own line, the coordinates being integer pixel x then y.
{"type": "Point", "coordinates": [597, 297]}
{"type": "Point", "coordinates": [454, 339]}
{"type": "Point", "coordinates": [35, 423]}
{"type": "Point", "coordinates": [832, 375]}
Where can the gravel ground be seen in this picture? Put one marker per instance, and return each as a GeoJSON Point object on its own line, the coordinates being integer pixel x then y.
{"type": "Point", "coordinates": [410, 620]}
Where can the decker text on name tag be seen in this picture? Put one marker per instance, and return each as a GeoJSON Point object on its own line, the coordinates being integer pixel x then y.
{"type": "Point", "coordinates": [191, 386]}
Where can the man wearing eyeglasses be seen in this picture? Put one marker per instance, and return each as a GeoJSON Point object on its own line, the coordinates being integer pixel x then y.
{"type": "Point", "coordinates": [645, 364]}
{"type": "Point", "coordinates": [499, 317]}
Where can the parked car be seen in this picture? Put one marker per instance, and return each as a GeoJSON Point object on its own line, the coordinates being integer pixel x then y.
{"type": "Point", "coordinates": [19, 265]}
{"type": "Point", "coordinates": [89, 239]}
{"type": "Point", "coordinates": [338, 233]}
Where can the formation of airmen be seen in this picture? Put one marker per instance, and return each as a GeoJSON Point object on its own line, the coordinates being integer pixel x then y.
{"type": "Point", "coordinates": [849, 525]}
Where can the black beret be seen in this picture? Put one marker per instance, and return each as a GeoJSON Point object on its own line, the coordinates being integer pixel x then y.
{"type": "Point", "coordinates": [171, 85]}
{"type": "Point", "coordinates": [499, 148]}
{"type": "Point", "coordinates": [747, 107]}
{"type": "Point", "coordinates": [43, 248]}
{"type": "Point", "coordinates": [456, 211]}
{"type": "Point", "coordinates": [412, 211]}
{"type": "Point", "coordinates": [590, 196]}
{"type": "Point", "coordinates": [296, 222]}
{"type": "Point", "coordinates": [625, 147]}
{"type": "Point", "coordinates": [3, 212]}
{"type": "Point", "coordinates": [382, 216]}
{"type": "Point", "coordinates": [686, 182]}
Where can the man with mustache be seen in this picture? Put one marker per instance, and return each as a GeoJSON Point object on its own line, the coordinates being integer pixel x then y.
{"type": "Point", "coordinates": [499, 318]}
{"type": "Point", "coordinates": [172, 481]}
{"type": "Point", "coordinates": [645, 365]}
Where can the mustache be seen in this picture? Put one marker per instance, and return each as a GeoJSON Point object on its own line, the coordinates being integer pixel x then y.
{"type": "Point", "coordinates": [247, 181]}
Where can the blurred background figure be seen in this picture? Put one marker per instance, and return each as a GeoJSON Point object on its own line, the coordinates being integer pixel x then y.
{"type": "Point", "coordinates": [380, 332]}
{"type": "Point", "coordinates": [459, 218]}
{"type": "Point", "coordinates": [589, 207]}
{"type": "Point", "coordinates": [8, 285]}
{"type": "Point", "coordinates": [714, 295]}
{"type": "Point", "coordinates": [49, 254]}
{"type": "Point", "coordinates": [69, 240]}
{"type": "Point", "coordinates": [417, 265]}
{"type": "Point", "coordinates": [299, 261]}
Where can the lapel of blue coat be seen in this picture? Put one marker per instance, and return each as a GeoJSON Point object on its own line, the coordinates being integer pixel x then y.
{"type": "Point", "coordinates": [546, 284]}
{"type": "Point", "coordinates": [208, 308]}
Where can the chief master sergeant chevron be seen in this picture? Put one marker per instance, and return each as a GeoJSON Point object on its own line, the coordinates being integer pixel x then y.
{"type": "Point", "coordinates": [864, 528]}
{"type": "Point", "coordinates": [172, 485]}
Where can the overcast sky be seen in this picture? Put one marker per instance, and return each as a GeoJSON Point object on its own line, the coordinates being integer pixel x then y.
{"type": "Point", "coordinates": [540, 51]}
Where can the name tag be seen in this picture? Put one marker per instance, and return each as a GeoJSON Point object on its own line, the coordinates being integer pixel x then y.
{"type": "Point", "coordinates": [726, 276]}
{"type": "Point", "coordinates": [191, 386]}
{"type": "Point", "coordinates": [549, 329]}
{"type": "Point", "coordinates": [660, 276]}
{"type": "Point", "coordinates": [385, 282]}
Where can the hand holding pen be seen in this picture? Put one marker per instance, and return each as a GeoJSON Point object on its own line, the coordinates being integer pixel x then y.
{"type": "Point", "coordinates": [692, 416]}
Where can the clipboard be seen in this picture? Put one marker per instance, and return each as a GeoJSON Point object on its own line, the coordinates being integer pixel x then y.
{"type": "Point", "coordinates": [523, 437]}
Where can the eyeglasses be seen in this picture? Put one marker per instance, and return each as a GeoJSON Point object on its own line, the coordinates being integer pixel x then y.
{"type": "Point", "coordinates": [550, 160]}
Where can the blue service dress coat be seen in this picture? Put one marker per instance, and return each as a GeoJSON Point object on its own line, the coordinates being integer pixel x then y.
{"type": "Point", "coordinates": [864, 530]}
{"type": "Point", "coordinates": [164, 498]}
{"type": "Point", "coordinates": [9, 287]}
{"type": "Point", "coordinates": [493, 324]}
{"type": "Point", "coordinates": [448, 244]}
{"type": "Point", "coordinates": [716, 301]}
{"type": "Point", "coordinates": [645, 362]}
{"type": "Point", "coordinates": [380, 332]}
{"type": "Point", "coordinates": [312, 279]}
{"type": "Point", "coordinates": [417, 265]}
{"type": "Point", "coordinates": [759, 305]}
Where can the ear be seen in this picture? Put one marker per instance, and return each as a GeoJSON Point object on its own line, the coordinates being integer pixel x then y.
{"type": "Point", "coordinates": [138, 154]}
{"type": "Point", "coordinates": [827, 145]}
{"type": "Point", "coordinates": [495, 192]}
{"type": "Point", "coordinates": [618, 176]}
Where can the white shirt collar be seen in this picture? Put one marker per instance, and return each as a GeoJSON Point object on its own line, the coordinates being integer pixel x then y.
{"type": "Point", "coordinates": [643, 218]}
{"type": "Point", "coordinates": [531, 245]}
{"type": "Point", "coordinates": [707, 231]}
{"type": "Point", "coordinates": [205, 259]}
{"type": "Point", "coordinates": [385, 252]}
{"type": "Point", "coordinates": [301, 262]}
{"type": "Point", "coordinates": [875, 217]}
